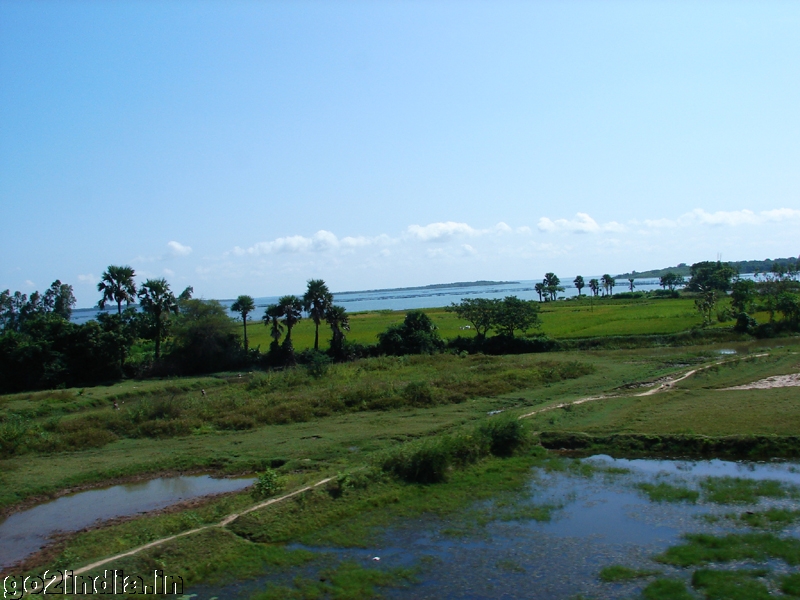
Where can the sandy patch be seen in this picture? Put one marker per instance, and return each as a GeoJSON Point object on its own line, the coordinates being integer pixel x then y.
{"type": "Point", "coordinates": [776, 381]}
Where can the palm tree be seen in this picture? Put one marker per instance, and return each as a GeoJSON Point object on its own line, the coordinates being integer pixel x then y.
{"type": "Point", "coordinates": [337, 318]}
{"type": "Point", "coordinates": [608, 283]}
{"type": "Point", "coordinates": [630, 283]}
{"type": "Point", "coordinates": [292, 310]}
{"type": "Point", "coordinates": [158, 301]}
{"type": "Point", "coordinates": [594, 285]}
{"type": "Point", "coordinates": [552, 284]}
{"type": "Point", "coordinates": [316, 301]}
{"type": "Point", "coordinates": [117, 286]}
{"type": "Point", "coordinates": [539, 287]}
{"type": "Point", "coordinates": [271, 316]}
{"type": "Point", "coordinates": [579, 283]}
{"type": "Point", "coordinates": [244, 305]}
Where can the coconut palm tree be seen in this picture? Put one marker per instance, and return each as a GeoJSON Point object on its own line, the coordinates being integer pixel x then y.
{"type": "Point", "coordinates": [117, 286]}
{"type": "Point", "coordinates": [579, 283]}
{"type": "Point", "coordinates": [158, 301]}
{"type": "Point", "coordinates": [244, 305]}
{"type": "Point", "coordinates": [337, 318]}
{"type": "Point", "coordinates": [316, 301]}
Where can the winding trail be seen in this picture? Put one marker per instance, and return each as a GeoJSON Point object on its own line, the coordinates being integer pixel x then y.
{"type": "Point", "coordinates": [664, 386]}
{"type": "Point", "coordinates": [226, 521]}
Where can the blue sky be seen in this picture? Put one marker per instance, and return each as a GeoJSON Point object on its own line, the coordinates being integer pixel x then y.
{"type": "Point", "coordinates": [245, 147]}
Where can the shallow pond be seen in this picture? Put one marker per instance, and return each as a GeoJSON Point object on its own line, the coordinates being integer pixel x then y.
{"type": "Point", "coordinates": [25, 532]}
{"type": "Point", "coordinates": [593, 515]}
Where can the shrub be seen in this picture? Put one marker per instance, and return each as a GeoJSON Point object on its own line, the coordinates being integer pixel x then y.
{"type": "Point", "coordinates": [267, 484]}
{"type": "Point", "coordinates": [505, 435]}
{"type": "Point", "coordinates": [418, 393]}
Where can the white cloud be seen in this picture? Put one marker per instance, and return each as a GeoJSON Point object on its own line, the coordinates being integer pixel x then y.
{"type": "Point", "coordinates": [88, 278]}
{"type": "Point", "coordinates": [178, 249]}
{"type": "Point", "coordinates": [29, 283]}
{"type": "Point", "coordinates": [732, 218]}
{"type": "Point", "coordinates": [435, 232]}
{"type": "Point", "coordinates": [582, 223]}
{"type": "Point", "coordinates": [169, 272]}
{"type": "Point", "coordinates": [443, 231]}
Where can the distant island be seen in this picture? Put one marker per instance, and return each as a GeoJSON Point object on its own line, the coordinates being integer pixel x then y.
{"type": "Point", "coordinates": [742, 266]}
{"type": "Point", "coordinates": [433, 286]}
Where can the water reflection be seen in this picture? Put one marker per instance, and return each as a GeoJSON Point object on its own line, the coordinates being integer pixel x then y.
{"type": "Point", "coordinates": [603, 519]}
{"type": "Point", "coordinates": [24, 532]}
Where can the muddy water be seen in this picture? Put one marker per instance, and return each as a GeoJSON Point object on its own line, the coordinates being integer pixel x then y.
{"type": "Point", "coordinates": [23, 533]}
{"type": "Point", "coordinates": [601, 519]}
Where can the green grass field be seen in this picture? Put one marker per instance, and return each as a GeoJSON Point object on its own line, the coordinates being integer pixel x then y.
{"type": "Point", "coordinates": [575, 318]}
{"type": "Point", "coordinates": [341, 421]}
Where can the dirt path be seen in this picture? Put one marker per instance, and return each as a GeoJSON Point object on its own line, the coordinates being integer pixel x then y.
{"type": "Point", "coordinates": [776, 381]}
{"type": "Point", "coordinates": [665, 385]}
{"type": "Point", "coordinates": [227, 520]}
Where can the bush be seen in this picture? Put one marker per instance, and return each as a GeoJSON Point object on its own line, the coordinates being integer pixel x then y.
{"type": "Point", "coordinates": [316, 362]}
{"type": "Point", "coordinates": [505, 435]}
{"type": "Point", "coordinates": [267, 484]}
{"type": "Point", "coordinates": [418, 393]}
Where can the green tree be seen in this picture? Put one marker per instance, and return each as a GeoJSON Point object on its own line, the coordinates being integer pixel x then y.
{"type": "Point", "coordinates": [204, 339]}
{"type": "Point", "coordinates": [480, 312]}
{"type": "Point", "coordinates": [608, 284]}
{"type": "Point", "coordinates": [594, 285]}
{"type": "Point", "coordinates": [117, 285]}
{"type": "Point", "coordinates": [291, 308]}
{"type": "Point", "coordinates": [416, 335]}
{"type": "Point", "coordinates": [579, 283]}
{"type": "Point", "coordinates": [515, 314]}
{"type": "Point", "coordinates": [631, 283]}
{"type": "Point", "coordinates": [271, 319]}
{"type": "Point", "coordinates": [244, 305]}
{"type": "Point", "coordinates": [316, 301]}
{"type": "Point", "coordinates": [339, 321]}
{"type": "Point", "coordinates": [552, 284]}
{"type": "Point", "coordinates": [540, 289]}
{"type": "Point", "coordinates": [743, 295]}
{"type": "Point", "coordinates": [158, 302]}
{"type": "Point", "coordinates": [707, 276]}
{"type": "Point", "coordinates": [60, 299]}
{"type": "Point", "coordinates": [705, 304]}
{"type": "Point", "coordinates": [671, 280]}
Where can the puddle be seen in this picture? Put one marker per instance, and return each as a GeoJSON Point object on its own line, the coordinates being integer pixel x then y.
{"type": "Point", "coordinates": [726, 351]}
{"type": "Point", "coordinates": [603, 520]}
{"type": "Point", "coordinates": [23, 533]}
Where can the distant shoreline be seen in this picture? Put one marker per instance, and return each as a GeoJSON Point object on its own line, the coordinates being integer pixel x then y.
{"type": "Point", "coordinates": [433, 286]}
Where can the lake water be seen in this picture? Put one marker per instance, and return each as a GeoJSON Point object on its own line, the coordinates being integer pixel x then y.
{"type": "Point", "coordinates": [602, 519]}
{"type": "Point", "coordinates": [23, 533]}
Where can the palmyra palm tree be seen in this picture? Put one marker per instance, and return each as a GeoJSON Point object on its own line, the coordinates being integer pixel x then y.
{"type": "Point", "coordinates": [117, 286]}
{"type": "Point", "coordinates": [271, 316]}
{"type": "Point", "coordinates": [594, 285]}
{"type": "Point", "coordinates": [244, 305]}
{"type": "Point", "coordinates": [608, 283]}
{"type": "Point", "coordinates": [539, 287]}
{"type": "Point", "coordinates": [292, 312]}
{"type": "Point", "coordinates": [158, 301]}
{"type": "Point", "coordinates": [579, 283]}
{"type": "Point", "coordinates": [337, 318]}
{"type": "Point", "coordinates": [631, 285]}
{"type": "Point", "coordinates": [316, 302]}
